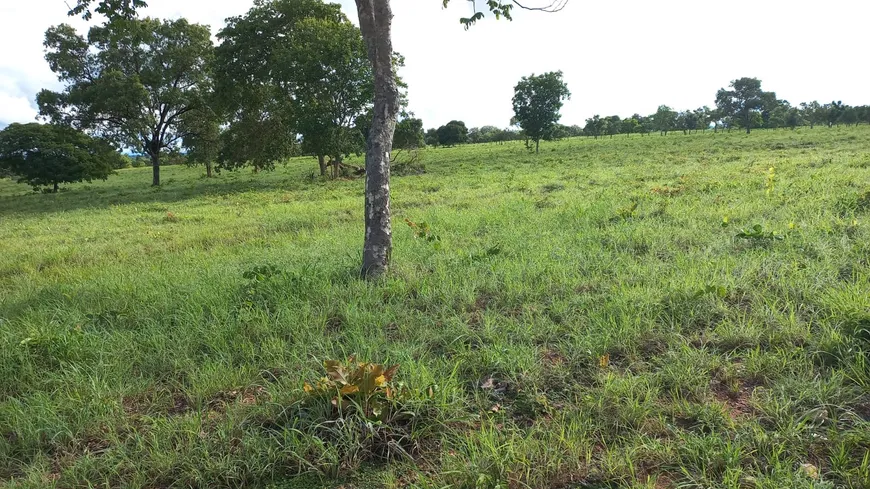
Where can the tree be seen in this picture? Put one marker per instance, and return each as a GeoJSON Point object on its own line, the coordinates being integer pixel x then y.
{"type": "Point", "coordinates": [793, 118]}
{"type": "Point", "coordinates": [644, 124]}
{"type": "Point", "coordinates": [629, 126]}
{"type": "Point", "coordinates": [407, 139]}
{"type": "Point", "coordinates": [202, 138]}
{"type": "Point", "coordinates": [45, 155]}
{"type": "Point", "coordinates": [849, 116]}
{"type": "Point", "coordinates": [452, 133]}
{"type": "Point", "coordinates": [612, 125]}
{"type": "Point", "coordinates": [745, 99]}
{"type": "Point", "coordinates": [431, 137]}
{"type": "Point", "coordinates": [288, 68]}
{"type": "Point", "coordinates": [333, 86]}
{"type": "Point", "coordinates": [537, 101]}
{"type": "Point", "coordinates": [409, 134]}
{"type": "Point", "coordinates": [664, 120]}
{"type": "Point", "coordinates": [834, 112]}
{"type": "Point", "coordinates": [594, 126]}
{"type": "Point", "coordinates": [131, 81]}
{"type": "Point", "coordinates": [814, 113]}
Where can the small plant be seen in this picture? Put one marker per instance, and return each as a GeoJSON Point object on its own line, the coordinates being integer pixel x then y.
{"type": "Point", "coordinates": [256, 291]}
{"type": "Point", "coordinates": [261, 273]}
{"type": "Point", "coordinates": [627, 212]}
{"type": "Point", "coordinates": [726, 221]}
{"type": "Point", "coordinates": [770, 183]}
{"type": "Point", "coordinates": [364, 386]}
{"type": "Point", "coordinates": [422, 230]}
{"type": "Point", "coordinates": [717, 290]}
{"type": "Point", "coordinates": [171, 217]}
{"type": "Point", "coordinates": [757, 234]}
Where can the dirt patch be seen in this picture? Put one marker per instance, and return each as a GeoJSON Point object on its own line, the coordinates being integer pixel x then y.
{"type": "Point", "coordinates": [155, 401]}
{"type": "Point", "coordinates": [736, 402]}
{"type": "Point", "coordinates": [552, 357]}
{"type": "Point", "coordinates": [246, 397]}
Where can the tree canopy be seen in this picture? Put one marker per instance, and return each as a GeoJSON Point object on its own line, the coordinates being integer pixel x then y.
{"type": "Point", "coordinates": [292, 69]}
{"type": "Point", "coordinates": [744, 99]}
{"type": "Point", "coordinates": [130, 81]}
{"type": "Point", "coordinates": [45, 155]}
{"type": "Point", "coordinates": [537, 101]}
{"type": "Point", "coordinates": [452, 133]}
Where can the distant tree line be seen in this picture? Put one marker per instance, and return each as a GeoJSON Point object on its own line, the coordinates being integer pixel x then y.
{"type": "Point", "coordinates": [743, 105]}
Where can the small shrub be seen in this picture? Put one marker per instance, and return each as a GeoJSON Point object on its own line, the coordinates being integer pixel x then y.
{"type": "Point", "coordinates": [627, 212]}
{"type": "Point", "coordinates": [757, 234]}
{"type": "Point", "coordinates": [770, 183]}
{"type": "Point", "coordinates": [422, 230]}
{"type": "Point", "coordinates": [358, 407]}
{"type": "Point", "coordinates": [716, 290]}
{"type": "Point", "coordinates": [356, 385]}
{"type": "Point", "coordinates": [258, 292]}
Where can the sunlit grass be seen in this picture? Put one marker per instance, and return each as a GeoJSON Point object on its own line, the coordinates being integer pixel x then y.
{"type": "Point", "coordinates": [588, 315]}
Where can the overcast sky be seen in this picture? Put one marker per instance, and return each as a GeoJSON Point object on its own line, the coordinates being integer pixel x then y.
{"type": "Point", "coordinates": [618, 57]}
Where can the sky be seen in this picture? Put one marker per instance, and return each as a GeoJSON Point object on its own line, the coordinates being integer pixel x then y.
{"type": "Point", "coordinates": [617, 57]}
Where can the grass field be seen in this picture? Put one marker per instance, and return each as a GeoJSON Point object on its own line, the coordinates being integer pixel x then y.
{"type": "Point", "coordinates": [604, 314]}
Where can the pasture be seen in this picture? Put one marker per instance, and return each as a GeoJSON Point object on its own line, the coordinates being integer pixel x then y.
{"type": "Point", "coordinates": [689, 310]}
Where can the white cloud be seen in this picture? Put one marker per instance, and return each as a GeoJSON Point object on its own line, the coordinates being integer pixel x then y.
{"type": "Point", "coordinates": [618, 57]}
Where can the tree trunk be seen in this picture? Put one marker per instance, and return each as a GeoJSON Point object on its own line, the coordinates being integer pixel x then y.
{"type": "Point", "coordinates": [155, 166]}
{"type": "Point", "coordinates": [321, 160]}
{"type": "Point", "coordinates": [208, 173]}
{"type": "Point", "coordinates": [56, 188]}
{"type": "Point", "coordinates": [375, 19]}
{"type": "Point", "coordinates": [336, 168]}
{"type": "Point", "coordinates": [537, 145]}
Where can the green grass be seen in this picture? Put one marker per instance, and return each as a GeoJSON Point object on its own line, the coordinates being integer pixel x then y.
{"type": "Point", "coordinates": [587, 319]}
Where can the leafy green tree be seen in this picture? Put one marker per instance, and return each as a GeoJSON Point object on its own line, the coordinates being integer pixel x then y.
{"type": "Point", "coordinates": [644, 124]}
{"type": "Point", "coordinates": [612, 125]}
{"type": "Point", "coordinates": [333, 85]}
{"type": "Point", "coordinates": [594, 126]}
{"type": "Point", "coordinates": [537, 101]}
{"type": "Point", "coordinates": [849, 116]}
{"type": "Point", "coordinates": [834, 112]}
{"type": "Point", "coordinates": [202, 138]}
{"type": "Point", "coordinates": [664, 120]}
{"type": "Point", "coordinates": [744, 99]}
{"type": "Point", "coordinates": [409, 134]}
{"type": "Point", "coordinates": [629, 126]}
{"type": "Point", "coordinates": [793, 118]}
{"type": "Point", "coordinates": [431, 137]}
{"type": "Point", "coordinates": [704, 117]}
{"type": "Point", "coordinates": [131, 81]}
{"type": "Point", "coordinates": [45, 155]}
{"type": "Point", "coordinates": [452, 133]}
{"type": "Point", "coordinates": [686, 121]}
{"type": "Point", "coordinates": [271, 85]}
{"type": "Point", "coordinates": [813, 113]}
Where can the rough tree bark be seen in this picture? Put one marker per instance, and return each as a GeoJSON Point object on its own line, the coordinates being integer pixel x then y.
{"type": "Point", "coordinates": [321, 160]}
{"type": "Point", "coordinates": [375, 19]}
{"type": "Point", "coordinates": [155, 165]}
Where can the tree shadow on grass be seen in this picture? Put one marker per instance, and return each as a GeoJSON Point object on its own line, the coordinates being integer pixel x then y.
{"type": "Point", "coordinates": [124, 191]}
